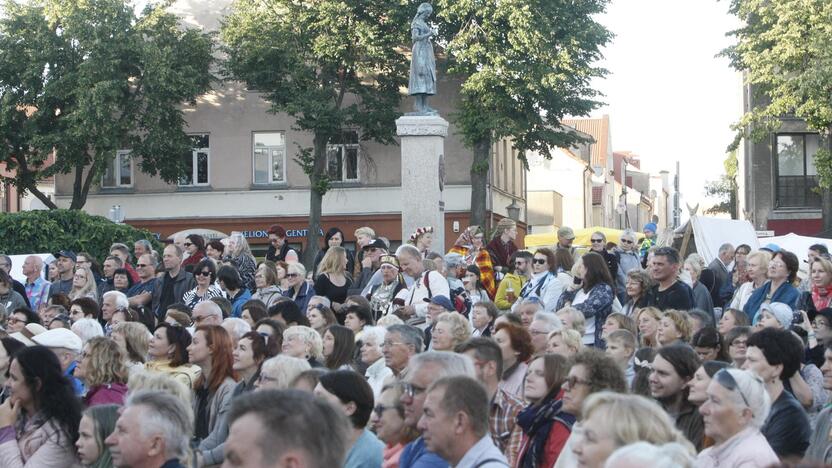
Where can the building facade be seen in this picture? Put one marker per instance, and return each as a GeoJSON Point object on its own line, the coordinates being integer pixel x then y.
{"type": "Point", "coordinates": [243, 176]}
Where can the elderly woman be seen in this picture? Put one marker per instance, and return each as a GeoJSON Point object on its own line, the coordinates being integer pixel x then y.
{"type": "Point", "coordinates": [613, 420]}
{"type": "Point", "coordinates": [381, 296]}
{"type": "Point", "coordinates": [239, 255]}
{"type": "Point", "coordinates": [304, 342]}
{"type": "Point", "coordinates": [470, 245]}
{"type": "Point", "coordinates": [299, 290]}
{"type": "Point", "coordinates": [265, 279]}
{"type": "Point", "coordinates": [277, 373]}
{"type": "Point", "coordinates": [782, 273]}
{"type": "Point", "coordinates": [450, 330]}
{"type": "Point", "coordinates": [373, 357]}
{"type": "Point", "coordinates": [756, 267]}
{"type": "Point", "coordinates": [389, 424]}
{"type": "Point", "coordinates": [637, 285]}
{"type": "Point", "coordinates": [566, 343]}
{"type": "Point", "coordinates": [701, 296]}
{"type": "Point", "coordinates": [735, 409]}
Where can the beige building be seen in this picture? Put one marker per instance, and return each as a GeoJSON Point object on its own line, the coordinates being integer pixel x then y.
{"type": "Point", "coordinates": [243, 175]}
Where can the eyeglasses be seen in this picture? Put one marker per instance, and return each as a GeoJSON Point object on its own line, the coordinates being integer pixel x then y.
{"type": "Point", "coordinates": [263, 378]}
{"type": "Point", "coordinates": [538, 332]}
{"type": "Point", "coordinates": [728, 381]}
{"type": "Point", "coordinates": [626, 241]}
{"type": "Point", "coordinates": [141, 265]}
{"type": "Point", "coordinates": [743, 343]}
{"type": "Point", "coordinates": [13, 320]}
{"type": "Point", "coordinates": [390, 344]}
{"type": "Point", "coordinates": [187, 244]}
{"type": "Point", "coordinates": [595, 241]}
{"type": "Point", "coordinates": [292, 275]}
{"type": "Point", "coordinates": [380, 409]}
{"type": "Point", "coordinates": [411, 390]}
{"type": "Point", "coordinates": [575, 380]}
{"type": "Point", "coordinates": [199, 318]}
{"type": "Point", "coordinates": [204, 273]}
{"type": "Point", "coordinates": [540, 261]}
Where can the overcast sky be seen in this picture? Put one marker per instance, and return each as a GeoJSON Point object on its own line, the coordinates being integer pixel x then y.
{"type": "Point", "coordinates": [668, 97]}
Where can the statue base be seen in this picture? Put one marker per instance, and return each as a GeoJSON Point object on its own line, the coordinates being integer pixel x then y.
{"type": "Point", "coordinates": [423, 175]}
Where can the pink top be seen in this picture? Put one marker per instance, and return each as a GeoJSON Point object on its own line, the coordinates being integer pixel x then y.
{"type": "Point", "coordinates": [391, 455]}
{"type": "Point", "coordinates": [108, 394]}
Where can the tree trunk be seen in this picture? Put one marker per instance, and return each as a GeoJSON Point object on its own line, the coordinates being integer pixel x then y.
{"type": "Point", "coordinates": [479, 181]}
{"type": "Point", "coordinates": [826, 196]}
{"type": "Point", "coordinates": [318, 188]}
{"type": "Point", "coordinates": [42, 197]}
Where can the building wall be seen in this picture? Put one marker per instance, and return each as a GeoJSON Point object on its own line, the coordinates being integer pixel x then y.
{"type": "Point", "coordinates": [559, 190]}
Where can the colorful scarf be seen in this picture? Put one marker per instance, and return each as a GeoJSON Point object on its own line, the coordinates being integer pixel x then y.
{"type": "Point", "coordinates": [821, 297]}
{"type": "Point", "coordinates": [536, 422]}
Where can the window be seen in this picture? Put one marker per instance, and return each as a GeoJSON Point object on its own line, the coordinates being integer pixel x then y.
{"type": "Point", "coordinates": [196, 162]}
{"type": "Point", "coordinates": [342, 157]}
{"type": "Point", "coordinates": [269, 158]}
{"type": "Point", "coordinates": [797, 178]}
{"type": "Point", "coordinates": [119, 171]}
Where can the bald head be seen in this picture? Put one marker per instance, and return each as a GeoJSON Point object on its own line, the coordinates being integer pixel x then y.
{"type": "Point", "coordinates": [32, 267]}
{"type": "Point", "coordinates": [207, 313]}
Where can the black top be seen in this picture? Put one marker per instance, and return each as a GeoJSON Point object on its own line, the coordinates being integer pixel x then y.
{"type": "Point", "coordinates": [18, 287]}
{"type": "Point", "coordinates": [787, 427]}
{"type": "Point", "coordinates": [679, 296]}
{"type": "Point", "coordinates": [324, 287]}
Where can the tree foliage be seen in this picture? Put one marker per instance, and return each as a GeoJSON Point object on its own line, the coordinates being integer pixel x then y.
{"type": "Point", "coordinates": [525, 64]}
{"type": "Point", "coordinates": [332, 66]}
{"type": "Point", "coordinates": [725, 189]}
{"type": "Point", "coordinates": [53, 230]}
{"type": "Point", "coordinates": [87, 78]}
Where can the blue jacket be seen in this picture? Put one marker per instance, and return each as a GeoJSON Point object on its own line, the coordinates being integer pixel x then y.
{"type": "Point", "coordinates": [306, 293]}
{"type": "Point", "coordinates": [786, 293]}
{"type": "Point", "coordinates": [237, 302]}
{"type": "Point", "coordinates": [417, 455]}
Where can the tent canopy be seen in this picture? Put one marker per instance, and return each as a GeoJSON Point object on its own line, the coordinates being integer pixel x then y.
{"type": "Point", "coordinates": [710, 233]}
{"type": "Point", "coordinates": [548, 239]}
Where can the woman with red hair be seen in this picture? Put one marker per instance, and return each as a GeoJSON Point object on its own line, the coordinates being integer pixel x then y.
{"type": "Point", "coordinates": [212, 350]}
{"type": "Point", "coordinates": [515, 342]}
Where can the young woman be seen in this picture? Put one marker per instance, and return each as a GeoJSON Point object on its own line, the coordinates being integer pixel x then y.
{"type": "Point", "coordinates": [732, 318]}
{"type": "Point", "coordinates": [422, 239]}
{"type": "Point", "coordinates": [545, 425]}
{"type": "Point", "coordinates": [320, 318]}
{"type": "Point", "coordinates": [248, 356]}
{"type": "Point", "coordinates": [9, 347]}
{"type": "Point", "coordinates": [616, 321]}
{"type": "Point", "coordinates": [211, 350]}
{"type": "Point", "coordinates": [10, 299]}
{"type": "Point", "coordinates": [357, 317]}
{"type": "Point", "coordinates": [168, 352]}
{"type": "Point", "coordinates": [515, 342]}
{"type": "Point", "coordinates": [648, 320]}
{"type": "Point", "coordinates": [470, 245]}
{"type": "Point", "coordinates": [544, 283]}
{"type": "Point", "coordinates": [253, 310]}
{"type": "Point", "coordinates": [83, 284]}
{"type": "Point", "coordinates": [101, 368]}
{"type": "Point", "coordinates": [594, 298]}
{"type": "Point", "coordinates": [195, 248]}
{"type": "Point", "coordinates": [338, 347]}
{"type": "Point", "coordinates": [205, 274]}
{"type": "Point", "coordinates": [332, 281]}
{"type": "Point", "coordinates": [97, 424]}
{"type": "Point", "coordinates": [473, 286]}
{"type": "Point", "coordinates": [334, 237]}
{"type": "Point", "coordinates": [134, 340]}
{"type": "Point", "coordinates": [41, 427]}
{"type": "Point", "coordinates": [709, 345]}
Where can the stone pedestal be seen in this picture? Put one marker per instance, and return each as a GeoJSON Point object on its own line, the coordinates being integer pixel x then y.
{"type": "Point", "coordinates": [423, 175]}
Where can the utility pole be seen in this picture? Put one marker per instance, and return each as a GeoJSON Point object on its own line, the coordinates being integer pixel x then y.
{"type": "Point", "coordinates": [677, 211]}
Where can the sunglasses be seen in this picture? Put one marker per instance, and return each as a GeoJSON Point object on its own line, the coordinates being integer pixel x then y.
{"type": "Point", "coordinates": [292, 275]}
{"type": "Point", "coordinates": [540, 261]}
{"type": "Point", "coordinates": [728, 381]}
{"type": "Point", "coordinates": [595, 241]}
{"type": "Point", "coordinates": [625, 241]}
{"type": "Point", "coordinates": [204, 273]}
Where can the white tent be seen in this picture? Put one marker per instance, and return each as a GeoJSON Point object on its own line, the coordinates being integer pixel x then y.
{"type": "Point", "coordinates": [794, 243]}
{"type": "Point", "coordinates": [710, 233]}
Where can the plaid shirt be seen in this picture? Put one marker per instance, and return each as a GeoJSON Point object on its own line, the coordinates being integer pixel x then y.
{"type": "Point", "coordinates": [38, 292]}
{"type": "Point", "coordinates": [502, 415]}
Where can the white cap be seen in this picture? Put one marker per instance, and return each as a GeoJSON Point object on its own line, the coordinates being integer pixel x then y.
{"type": "Point", "coordinates": [27, 333]}
{"type": "Point", "coordinates": [59, 338]}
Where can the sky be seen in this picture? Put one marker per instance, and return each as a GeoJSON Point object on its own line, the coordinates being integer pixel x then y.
{"type": "Point", "coordinates": [668, 97]}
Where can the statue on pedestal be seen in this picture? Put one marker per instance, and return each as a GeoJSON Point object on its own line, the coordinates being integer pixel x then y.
{"type": "Point", "coordinates": [422, 63]}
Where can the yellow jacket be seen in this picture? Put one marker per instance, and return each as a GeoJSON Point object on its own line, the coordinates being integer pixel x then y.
{"type": "Point", "coordinates": [516, 282]}
{"type": "Point", "coordinates": [187, 373]}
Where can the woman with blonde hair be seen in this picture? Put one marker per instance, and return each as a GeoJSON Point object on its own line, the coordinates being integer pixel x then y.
{"type": "Point", "coordinates": [133, 339]}
{"type": "Point", "coordinates": [757, 269]}
{"type": "Point", "coordinates": [160, 382]}
{"type": "Point", "coordinates": [304, 342]}
{"type": "Point", "coordinates": [450, 330]}
{"type": "Point", "coordinates": [565, 342]}
{"type": "Point", "coordinates": [701, 295]}
{"type": "Point", "coordinates": [265, 279]}
{"type": "Point", "coordinates": [648, 319]}
{"type": "Point", "coordinates": [277, 373]}
{"type": "Point", "coordinates": [612, 420]}
{"type": "Point", "coordinates": [673, 326]}
{"type": "Point", "coordinates": [83, 284]}
{"type": "Point", "coordinates": [101, 367]}
{"type": "Point", "coordinates": [332, 281]}
{"type": "Point", "coordinates": [573, 319]}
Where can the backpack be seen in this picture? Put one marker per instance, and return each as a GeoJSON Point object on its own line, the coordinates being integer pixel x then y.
{"type": "Point", "coordinates": [459, 299]}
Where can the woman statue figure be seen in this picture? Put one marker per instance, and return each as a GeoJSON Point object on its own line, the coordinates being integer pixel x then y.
{"type": "Point", "coordinates": [422, 63]}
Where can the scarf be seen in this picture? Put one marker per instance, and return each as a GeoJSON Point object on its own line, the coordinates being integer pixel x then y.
{"type": "Point", "coordinates": [501, 253]}
{"type": "Point", "coordinates": [534, 285]}
{"type": "Point", "coordinates": [821, 297]}
{"type": "Point", "coordinates": [382, 297]}
{"type": "Point", "coordinates": [536, 422]}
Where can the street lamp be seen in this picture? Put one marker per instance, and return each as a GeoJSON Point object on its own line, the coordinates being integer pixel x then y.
{"type": "Point", "coordinates": [116, 214]}
{"type": "Point", "coordinates": [513, 210]}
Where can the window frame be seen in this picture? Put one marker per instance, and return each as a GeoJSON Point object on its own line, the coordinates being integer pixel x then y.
{"type": "Point", "coordinates": [194, 160]}
{"type": "Point", "coordinates": [807, 196]}
{"type": "Point", "coordinates": [271, 162]}
{"type": "Point", "coordinates": [117, 170]}
{"type": "Point", "coordinates": [343, 147]}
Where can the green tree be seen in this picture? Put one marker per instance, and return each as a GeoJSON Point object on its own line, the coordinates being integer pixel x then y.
{"type": "Point", "coordinates": [785, 51]}
{"type": "Point", "coordinates": [85, 79]}
{"type": "Point", "coordinates": [725, 189]}
{"type": "Point", "coordinates": [331, 65]}
{"type": "Point", "coordinates": [525, 64]}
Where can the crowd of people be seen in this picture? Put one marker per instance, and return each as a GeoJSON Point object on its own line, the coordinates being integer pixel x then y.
{"type": "Point", "coordinates": [484, 356]}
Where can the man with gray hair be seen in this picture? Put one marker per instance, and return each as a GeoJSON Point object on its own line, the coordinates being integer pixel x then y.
{"type": "Point", "coordinates": [721, 267]}
{"type": "Point", "coordinates": [112, 302]}
{"type": "Point", "coordinates": [207, 313]}
{"type": "Point", "coordinates": [425, 369]}
{"type": "Point", "coordinates": [628, 260]}
{"type": "Point", "coordinates": [542, 325]}
{"type": "Point", "coordinates": [173, 284]}
{"type": "Point", "coordinates": [141, 294]}
{"type": "Point", "coordinates": [153, 430]}
{"type": "Point", "coordinates": [528, 308]}
{"type": "Point", "coordinates": [282, 428]}
{"type": "Point", "coordinates": [401, 343]}
{"type": "Point", "coordinates": [426, 284]}
{"type": "Point", "coordinates": [455, 424]}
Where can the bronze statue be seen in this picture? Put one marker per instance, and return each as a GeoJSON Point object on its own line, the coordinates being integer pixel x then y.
{"type": "Point", "coordinates": [422, 63]}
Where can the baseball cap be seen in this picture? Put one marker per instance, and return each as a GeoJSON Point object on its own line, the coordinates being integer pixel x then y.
{"type": "Point", "coordinates": [59, 338]}
{"type": "Point", "coordinates": [375, 244]}
{"type": "Point", "coordinates": [442, 301]}
{"type": "Point", "coordinates": [566, 232]}
{"type": "Point", "coordinates": [65, 253]}
{"type": "Point", "coordinates": [773, 248]}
